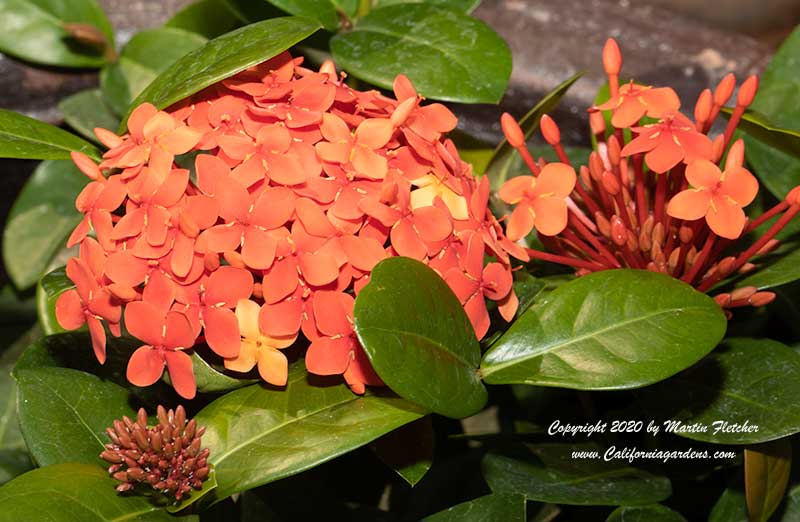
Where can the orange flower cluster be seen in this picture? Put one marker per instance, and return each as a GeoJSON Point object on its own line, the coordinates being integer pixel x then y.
{"type": "Point", "coordinates": [296, 186]}
{"type": "Point", "coordinates": [655, 194]}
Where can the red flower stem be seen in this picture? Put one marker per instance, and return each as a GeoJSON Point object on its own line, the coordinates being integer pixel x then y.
{"type": "Point", "coordinates": [630, 259]}
{"type": "Point", "coordinates": [745, 256]}
{"type": "Point", "coordinates": [562, 156]}
{"type": "Point", "coordinates": [563, 260]}
{"type": "Point", "coordinates": [579, 244]}
{"type": "Point", "coordinates": [529, 161]}
{"type": "Point", "coordinates": [684, 250]}
{"type": "Point", "coordinates": [613, 84]}
{"type": "Point", "coordinates": [583, 231]}
{"type": "Point", "coordinates": [587, 199]}
{"type": "Point", "coordinates": [623, 210]}
{"type": "Point", "coordinates": [769, 214]}
{"type": "Point", "coordinates": [732, 123]}
{"type": "Point", "coordinates": [711, 118]}
{"type": "Point", "coordinates": [700, 259]}
{"type": "Point", "coordinates": [641, 204]}
{"type": "Point", "coordinates": [661, 195]}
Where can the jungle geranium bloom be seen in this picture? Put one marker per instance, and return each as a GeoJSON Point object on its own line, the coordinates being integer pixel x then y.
{"type": "Point", "coordinates": [635, 101]}
{"type": "Point", "coordinates": [167, 335]}
{"type": "Point", "coordinates": [718, 196]}
{"type": "Point", "coordinates": [541, 201]}
{"type": "Point", "coordinates": [260, 349]}
{"type": "Point", "coordinates": [623, 215]}
{"type": "Point", "coordinates": [668, 142]}
{"type": "Point", "coordinates": [302, 186]}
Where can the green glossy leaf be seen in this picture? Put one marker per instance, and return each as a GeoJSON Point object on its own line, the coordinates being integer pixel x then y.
{"type": "Point", "coordinates": [611, 486]}
{"type": "Point", "coordinates": [86, 110]}
{"type": "Point", "coordinates": [489, 508]}
{"type": "Point", "coordinates": [776, 100]}
{"type": "Point", "coordinates": [76, 492]}
{"type": "Point", "coordinates": [418, 338]}
{"type": "Point", "coordinates": [33, 30]}
{"type": "Point", "coordinates": [408, 450]}
{"type": "Point", "coordinates": [759, 127]}
{"type": "Point", "coordinates": [478, 158]}
{"type": "Point", "coordinates": [606, 331]}
{"type": "Point", "coordinates": [208, 18]}
{"type": "Point", "coordinates": [210, 380]}
{"type": "Point", "coordinates": [766, 475]}
{"type": "Point", "coordinates": [63, 412]}
{"type": "Point", "coordinates": [651, 513]}
{"type": "Point", "coordinates": [323, 11]}
{"type": "Point", "coordinates": [753, 381]}
{"type": "Point", "coordinates": [223, 57]}
{"type": "Point", "coordinates": [47, 291]}
{"type": "Point", "coordinates": [730, 507]}
{"type": "Point", "coordinates": [446, 54]}
{"type": "Point", "coordinates": [466, 6]}
{"type": "Point", "coordinates": [209, 485]}
{"type": "Point", "coordinates": [14, 458]}
{"type": "Point", "coordinates": [144, 57]}
{"type": "Point", "coordinates": [26, 138]}
{"type": "Point", "coordinates": [791, 510]}
{"type": "Point", "coordinates": [501, 164]}
{"type": "Point", "coordinates": [776, 269]}
{"type": "Point", "coordinates": [41, 220]}
{"type": "Point", "coordinates": [260, 434]}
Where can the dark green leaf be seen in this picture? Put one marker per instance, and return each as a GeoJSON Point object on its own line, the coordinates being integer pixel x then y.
{"type": "Point", "coordinates": [144, 57]}
{"type": "Point", "coordinates": [209, 485]}
{"type": "Point", "coordinates": [791, 510]}
{"type": "Point", "coordinates": [776, 100]}
{"type": "Point", "coordinates": [63, 412]}
{"type": "Point", "coordinates": [47, 292]}
{"type": "Point", "coordinates": [408, 450]}
{"type": "Point", "coordinates": [323, 11]}
{"type": "Point", "coordinates": [478, 158]}
{"type": "Point", "coordinates": [209, 379]}
{"type": "Point", "coordinates": [446, 54]}
{"type": "Point", "coordinates": [86, 110]}
{"type": "Point", "coordinates": [14, 458]}
{"type": "Point", "coordinates": [777, 268]}
{"type": "Point", "coordinates": [730, 507]}
{"type": "Point", "coordinates": [652, 513]}
{"type": "Point", "coordinates": [752, 381]}
{"type": "Point", "coordinates": [223, 57]}
{"type": "Point", "coordinates": [33, 30]}
{"type": "Point", "coordinates": [606, 331]}
{"type": "Point", "coordinates": [208, 18]}
{"type": "Point", "coordinates": [766, 474]}
{"type": "Point", "coordinates": [466, 6]}
{"type": "Point", "coordinates": [489, 508]}
{"type": "Point", "coordinates": [76, 492]}
{"type": "Point", "coordinates": [609, 487]}
{"type": "Point", "coordinates": [759, 127]}
{"type": "Point", "coordinates": [41, 220]}
{"type": "Point", "coordinates": [418, 338]}
{"type": "Point", "coordinates": [26, 138]}
{"type": "Point", "coordinates": [502, 161]}
{"type": "Point", "coordinates": [260, 434]}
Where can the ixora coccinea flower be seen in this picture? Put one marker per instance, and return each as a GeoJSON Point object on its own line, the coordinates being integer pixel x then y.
{"type": "Point", "coordinates": [251, 214]}
{"type": "Point", "coordinates": [661, 201]}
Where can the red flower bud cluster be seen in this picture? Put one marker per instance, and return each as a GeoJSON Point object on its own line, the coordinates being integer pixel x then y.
{"type": "Point", "coordinates": [654, 194]}
{"type": "Point", "coordinates": [296, 186]}
{"type": "Point", "coordinates": [168, 456]}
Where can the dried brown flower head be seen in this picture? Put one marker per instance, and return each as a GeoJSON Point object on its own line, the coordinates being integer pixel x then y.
{"type": "Point", "coordinates": [167, 456]}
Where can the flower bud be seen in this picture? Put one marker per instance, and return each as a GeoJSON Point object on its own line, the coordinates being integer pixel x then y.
{"type": "Point", "coordinates": [612, 58]}
{"type": "Point", "coordinates": [747, 91]}
{"type": "Point", "coordinates": [512, 131]}
{"type": "Point", "coordinates": [702, 109]}
{"type": "Point", "coordinates": [550, 130]}
{"type": "Point", "coordinates": [724, 90]}
{"type": "Point", "coordinates": [735, 156]}
{"type": "Point", "coordinates": [597, 123]}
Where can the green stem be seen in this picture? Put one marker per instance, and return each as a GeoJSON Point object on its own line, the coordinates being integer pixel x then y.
{"type": "Point", "coordinates": [364, 7]}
